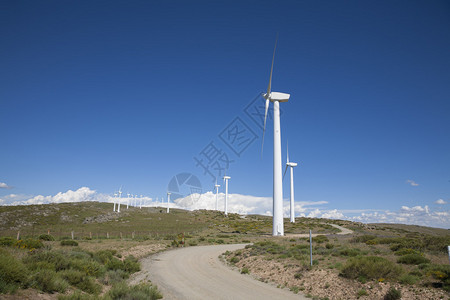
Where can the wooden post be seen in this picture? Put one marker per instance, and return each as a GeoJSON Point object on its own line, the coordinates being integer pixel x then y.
{"type": "Point", "coordinates": [310, 247]}
{"type": "Point", "coordinates": [132, 235]}
{"type": "Point", "coordinates": [72, 234]}
{"type": "Point", "coordinates": [107, 235]}
{"type": "Point", "coordinates": [48, 231]}
{"type": "Point", "coordinates": [18, 235]}
{"type": "Point", "coordinates": [90, 235]}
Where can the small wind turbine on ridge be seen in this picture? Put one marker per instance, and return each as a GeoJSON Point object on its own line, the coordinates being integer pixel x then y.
{"type": "Point", "coordinates": [120, 196]}
{"type": "Point", "coordinates": [276, 98]}
{"type": "Point", "coordinates": [217, 195]}
{"type": "Point", "coordinates": [292, 165]}
{"type": "Point", "coordinates": [115, 197]}
{"type": "Point", "coordinates": [225, 179]}
{"type": "Point", "coordinates": [168, 200]}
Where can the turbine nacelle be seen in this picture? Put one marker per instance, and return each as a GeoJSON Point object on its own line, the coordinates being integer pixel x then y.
{"type": "Point", "coordinates": [277, 96]}
{"type": "Point", "coordinates": [291, 164]}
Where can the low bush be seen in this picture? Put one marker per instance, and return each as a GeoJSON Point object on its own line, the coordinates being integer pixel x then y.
{"type": "Point", "coordinates": [48, 281]}
{"type": "Point", "coordinates": [13, 273]}
{"type": "Point", "coordinates": [234, 260]}
{"type": "Point", "coordinates": [137, 292]}
{"type": "Point", "coordinates": [408, 279]}
{"type": "Point", "coordinates": [46, 237]}
{"type": "Point", "coordinates": [371, 267]}
{"type": "Point", "coordinates": [69, 243]}
{"type": "Point", "coordinates": [131, 264]}
{"type": "Point", "coordinates": [320, 239]}
{"type": "Point", "coordinates": [48, 259]}
{"type": "Point", "coordinates": [393, 294]}
{"type": "Point", "coordinates": [413, 259]}
{"type": "Point", "coordinates": [88, 266]}
{"type": "Point", "coordinates": [350, 252]}
{"type": "Point", "coordinates": [29, 244]}
{"type": "Point", "coordinates": [7, 241]}
{"type": "Point", "coordinates": [114, 276]}
{"type": "Point", "coordinates": [245, 270]}
{"type": "Point", "coordinates": [81, 281]}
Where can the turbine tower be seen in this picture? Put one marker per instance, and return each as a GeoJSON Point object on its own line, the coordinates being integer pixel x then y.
{"type": "Point", "coordinates": [217, 194]}
{"type": "Point", "coordinates": [128, 199]}
{"type": "Point", "coordinates": [226, 178]}
{"type": "Point", "coordinates": [115, 197]}
{"type": "Point", "coordinates": [140, 203]}
{"type": "Point", "coordinates": [292, 165]}
{"type": "Point", "coordinates": [276, 98]}
{"type": "Point", "coordinates": [120, 195]}
{"type": "Point", "coordinates": [168, 200]}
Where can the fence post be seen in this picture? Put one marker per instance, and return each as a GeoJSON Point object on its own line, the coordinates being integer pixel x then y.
{"type": "Point", "coordinates": [48, 231]}
{"type": "Point", "coordinates": [18, 235]}
{"type": "Point", "coordinates": [72, 234]}
{"type": "Point", "coordinates": [107, 235]}
{"type": "Point", "coordinates": [90, 235]}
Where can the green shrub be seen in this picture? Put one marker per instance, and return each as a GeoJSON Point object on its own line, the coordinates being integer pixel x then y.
{"type": "Point", "coordinates": [29, 244]}
{"type": "Point", "coordinates": [88, 266]}
{"type": "Point", "coordinates": [137, 292]}
{"type": "Point", "coordinates": [69, 243]}
{"type": "Point", "coordinates": [245, 270]}
{"type": "Point", "coordinates": [131, 264]}
{"type": "Point", "coordinates": [405, 251]}
{"type": "Point", "coordinates": [408, 279]}
{"type": "Point", "coordinates": [103, 256]}
{"type": "Point", "coordinates": [234, 260]}
{"type": "Point", "coordinates": [114, 276]}
{"type": "Point", "coordinates": [350, 252]}
{"type": "Point", "coordinates": [320, 239]}
{"type": "Point", "coordinates": [393, 294]}
{"type": "Point", "coordinates": [413, 259]}
{"type": "Point", "coordinates": [361, 293]}
{"type": "Point", "coordinates": [46, 237]}
{"type": "Point", "coordinates": [48, 281]}
{"type": "Point", "coordinates": [13, 274]}
{"type": "Point", "coordinates": [220, 241]}
{"type": "Point", "coordinates": [329, 246]}
{"type": "Point", "coordinates": [370, 267]}
{"type": "Point", "coordinates": [54, 260]}
{"type": "Point", "coordinates": [7, 241]}
{"type": "Point", "coordinates": [81, 281]}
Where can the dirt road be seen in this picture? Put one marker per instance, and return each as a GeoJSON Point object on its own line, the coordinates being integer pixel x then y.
{"type": "Point", "coordinates": [197, 273]}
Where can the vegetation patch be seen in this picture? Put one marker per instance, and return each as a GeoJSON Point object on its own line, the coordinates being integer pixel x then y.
{"type": "Point", "coordinates": [371, 267]}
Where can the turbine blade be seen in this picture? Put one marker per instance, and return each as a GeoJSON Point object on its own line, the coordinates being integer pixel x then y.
{"type": "Point", "coordinates": [285, 170]}
{"type": "Point", "coordinates": [264, 129]}
{"type": "Point", "coordinates": [271, 68]}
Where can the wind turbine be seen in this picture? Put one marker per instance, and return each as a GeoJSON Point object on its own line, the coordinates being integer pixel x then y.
{"type": "Point", "coordinates": [217, 194]}
{"type": "Point", "coordinates": [276, 98]}
{"type": "Point", "coordinates": [140, 203]}
{"type": "Point", "coordinates": [226, 178]}
{"type": "Point", "coordinates": [168, 200]}
{"type": "Point", "coordinates": [292, 165]}
{"type": "Point", "coordinates": [115, 197]}
{"type": "Point", "coordinates": [128, 199]}
{"type": "Point", "coordinates": [120, 196]}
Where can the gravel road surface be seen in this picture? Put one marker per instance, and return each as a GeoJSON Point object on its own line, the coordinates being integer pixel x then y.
{"type": "Point", "coordinates": [197, 273]}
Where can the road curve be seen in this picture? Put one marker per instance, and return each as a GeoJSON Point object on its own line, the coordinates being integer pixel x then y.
{"type": "Point", "coordinates": [197, 273]}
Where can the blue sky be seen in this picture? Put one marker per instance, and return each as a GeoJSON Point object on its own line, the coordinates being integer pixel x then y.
{"type": "Point", "coordinates": [101, 94]}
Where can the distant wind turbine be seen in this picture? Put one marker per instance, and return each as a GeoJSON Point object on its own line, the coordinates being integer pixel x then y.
{"type": "Point", "coordinates": [120, 196]}
{"type": "Point", "coordinates": [115, 197]}
{"type": "Point", "coordinates": [140, 205]}
{"type": "Point", "coordinates": [226, 178]}
{"type": "Point", "coordinates": [128, 199]}
{"type": "Point", "coordinates": [292, 165]}
{"type": "Point", "coordinates": [276, 98]}
{"type": "Point", "coordinates": [168, 200]}
{"type": "Point", "coordinates": [217, 194]}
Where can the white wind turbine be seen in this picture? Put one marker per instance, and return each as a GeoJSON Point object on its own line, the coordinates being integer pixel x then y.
{"type": "Point", "coordinates": [217, 194]}
{"type": "Point", "coordinates": [168, 200]}
{"type": "Point", "coordinates": [226, 178]}
{"type": "Point", "coordinates": [120, 195]}
{"type": "Point", "coordinates": [128, 199]}
{"type": "Point", "coordinates": [115, 197]}
{"type": "Point", "coordinates": [140, 203]}
{"type": "Point", "coordinates": [276, 98]}
{"type": "Point", "coordinates": [292, 165]}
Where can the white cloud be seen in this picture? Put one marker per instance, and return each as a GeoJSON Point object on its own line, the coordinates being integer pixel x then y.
{"type": "Point", "coordinates": [440, 201]}
{"type": "Point", "coordinates": [4, 186]}
{"type": "Point", "coordinates": [412, 182]}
